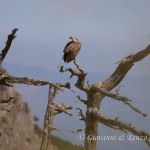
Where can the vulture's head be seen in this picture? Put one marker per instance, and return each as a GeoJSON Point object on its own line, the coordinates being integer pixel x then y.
{"type": "Point", "coordinates": [73, 39]}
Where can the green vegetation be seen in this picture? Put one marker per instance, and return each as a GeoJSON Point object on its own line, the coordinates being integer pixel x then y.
{"type": "Point", "coordinates": [56, 141]}
{"type": "Point", "coordinates": [64, 145]}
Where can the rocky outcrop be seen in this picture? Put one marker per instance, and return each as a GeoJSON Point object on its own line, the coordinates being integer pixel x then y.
{"type": "Point", "coordinates": [17, 126]}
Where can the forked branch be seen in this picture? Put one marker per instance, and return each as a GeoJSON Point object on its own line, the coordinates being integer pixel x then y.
{"type": "Point", "coordinates": [119, 98]}
{"type": "Point", "coordinates": [24, 80]}
{"type": "Point", "coordinates": [48, 119]}
{"type": "Point", "coordinates": [52, 109]}
{"type": "Point", "coordinates": [120, 125]}
{"type": "Point", "coordinates": [80, 74]}
{"type": "Point", "coordinates": [95, 96]}
{"type": "Point", "coordinates": [62, 108]}
{"type": "Point", "coordinates": [124, 66]}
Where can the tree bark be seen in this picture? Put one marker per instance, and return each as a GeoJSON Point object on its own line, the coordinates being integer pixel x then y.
{"type": "Point", "coordinates": [94, 98]}
{"type": "Point", "coordinates": [48, 122]}
{"type": "Point", "coordinates": [93, 101]}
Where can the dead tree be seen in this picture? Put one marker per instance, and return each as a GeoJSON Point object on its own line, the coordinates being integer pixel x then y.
{"type": "Point", "coordinates": [3, 54]}
{"type": "Point", "coordinates": [6, 79]}
{"type": "Point", "coordinates": [97, 91]}
{"type": "Point", "coordinates": [52, 107]}
{"type": "Point", "coordinates": [95, 94]}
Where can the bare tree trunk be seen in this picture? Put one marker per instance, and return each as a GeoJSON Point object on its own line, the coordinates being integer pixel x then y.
{"type": "Point", "coordinates": [95, 93]}
{"type": "Point", "coordinates": [48, 120]}
{"type": "Point", "coordinates": [95, 98]}
{"type": "Point", "coordinates": [93, 101]}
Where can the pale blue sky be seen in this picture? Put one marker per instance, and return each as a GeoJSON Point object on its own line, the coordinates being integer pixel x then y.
{"type": "Point", "coordinates": [107, 29]}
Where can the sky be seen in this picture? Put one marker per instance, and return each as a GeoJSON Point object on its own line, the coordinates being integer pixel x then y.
{"type": "Point", "coordinates": [108, 30]}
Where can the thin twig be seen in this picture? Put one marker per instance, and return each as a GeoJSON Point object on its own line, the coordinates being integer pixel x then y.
{"type": "Point", "coordinates": [81, 115]}
{"type": "Point", "coordinates": [78, 131]}
{"type": "Point", "coordinates": [81, 100]}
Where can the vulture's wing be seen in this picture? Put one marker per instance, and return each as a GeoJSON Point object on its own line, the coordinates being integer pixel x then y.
{"type": "Point", "coordinates": [69, 47]}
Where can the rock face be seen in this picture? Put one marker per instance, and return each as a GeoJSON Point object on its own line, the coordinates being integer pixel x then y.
{"type": "Point", "coordinates": [17, 126]}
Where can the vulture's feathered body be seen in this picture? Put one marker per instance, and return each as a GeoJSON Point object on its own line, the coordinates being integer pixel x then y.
{"type": "Point", "coordinates": [71, 50]}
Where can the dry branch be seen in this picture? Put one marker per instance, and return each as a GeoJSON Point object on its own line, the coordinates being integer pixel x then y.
{"type": "Point", "coordinates": [77, 131]}
{"type": "Point", "coordinates": [62, 108]}
{"type": "Point", "coordinates": [25, 80]}
{"type": "Point", "coordinates": [124, 66]}
{"type": "Point", "coordinates": [65, 85]}
{"type": "Point", "coordinates": [120, 125]}
{"type": "Point", "coordinates": [52, 109]}
{"type": "Point", "coordinates": [82, 100]}
{"type": "Point", "coordinates": [54, 128]}
{"type": "Point", "coordinates": [72, 71]}
{"type": "Point", "coordinates": [80, 73]}
{"type": "Point", "coordinates": [48, 119]}
{"type": "Point", "coordinates": [68, 86]}
{"type": "Point", "coordinates": [7, 46]}
{"type": "Point", "coordinates": [81, 115]}
{"type": "Point", "coordinates": [78, 67]}
{"type": "Point", "coordinates": [118, 89]}
{"type": "Point", "coordinates": [118, 97]}
{"type": "Point", "coordinates": [94, 98]}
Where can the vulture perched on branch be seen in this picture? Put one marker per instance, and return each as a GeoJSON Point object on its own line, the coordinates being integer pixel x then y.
{"type": "Point", "coordinates": [71, 50]}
